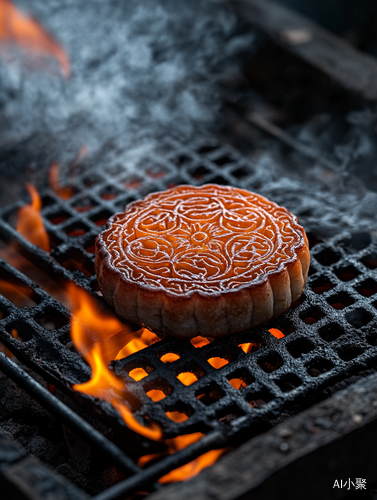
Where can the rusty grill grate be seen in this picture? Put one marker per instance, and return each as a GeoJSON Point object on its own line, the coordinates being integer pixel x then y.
{"type": "Point", "coordinates": [329, 334]}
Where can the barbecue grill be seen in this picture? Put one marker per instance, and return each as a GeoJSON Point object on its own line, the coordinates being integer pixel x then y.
{"type": "Point", "coordinates": [329, 336]}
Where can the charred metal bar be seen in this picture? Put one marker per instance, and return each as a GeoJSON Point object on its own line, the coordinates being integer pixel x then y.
{"type": "Point", "coordinates": [151, 474]}
{"type": "Point", "coordinates": [335, 57]}
{"type": "Point", "coordinates": [66, 415]}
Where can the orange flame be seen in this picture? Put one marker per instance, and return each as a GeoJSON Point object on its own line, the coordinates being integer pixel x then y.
{"type": "Point", "coordinates": [65, 192]}
{"type": "Point", "coordinates": [15, 26]}
{"type": "Point", "coordinates": [190, 469]}
{"type": "Point", "coordinates": [30, 223]}
{"type": "Point", "coordinates": [193, 468]}
{"type": "Point", "coordinates": [100, 337]}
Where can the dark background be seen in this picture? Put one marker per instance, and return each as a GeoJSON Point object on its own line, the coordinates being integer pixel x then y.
{"type": "Point", "coordinates": [355, 20]}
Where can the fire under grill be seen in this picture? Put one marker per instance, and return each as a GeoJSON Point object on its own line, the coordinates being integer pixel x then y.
{"type": "Point", "coordinates": [240, 386]}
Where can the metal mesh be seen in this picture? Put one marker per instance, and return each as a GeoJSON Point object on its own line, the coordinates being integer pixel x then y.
{"type": "Point", "coordinates": [328, 334]}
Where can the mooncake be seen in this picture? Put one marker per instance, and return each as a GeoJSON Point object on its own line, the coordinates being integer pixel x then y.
{"type": "Point", "coordinates": [210, 261]}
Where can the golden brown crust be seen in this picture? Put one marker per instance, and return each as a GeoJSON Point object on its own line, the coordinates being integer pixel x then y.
{"type": "Point", "coordinates": [201, 311]}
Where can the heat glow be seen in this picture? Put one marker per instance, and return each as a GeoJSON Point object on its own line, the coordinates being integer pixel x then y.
{"type": "Point", "coordinates": [100, 338]}
{"type": "Point", "coordinates": [190, 469]}
{"type": "Point", "coordinates": [30, 222]}
{"type": "Point", "coordinates": [21, 29]}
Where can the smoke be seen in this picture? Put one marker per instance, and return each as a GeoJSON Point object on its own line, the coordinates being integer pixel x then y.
{"type": "Point", "coordinates": [139, 69]}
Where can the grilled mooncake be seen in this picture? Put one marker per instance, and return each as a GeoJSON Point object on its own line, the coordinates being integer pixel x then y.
{"type": "Point", "coordinates": [209, 261]}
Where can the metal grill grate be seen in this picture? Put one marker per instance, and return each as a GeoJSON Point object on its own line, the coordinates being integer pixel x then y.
{"type": "Point", "coordinates": [328, 334]}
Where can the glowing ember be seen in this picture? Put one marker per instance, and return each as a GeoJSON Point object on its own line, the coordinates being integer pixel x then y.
{"type": "Point", "coordinates": [187, 378]}
{"type": "Point", "coordinates": [156, 395]}
{"type": "Point", "coordinates": [199, 341]}
{"type": "Point", "coordinates": [248, 347]}
{"type": "Point", "coordinates": [99, 338]}
{"type": "Point", "coordinates": [237, 383]}
{"type": "Point", "coordinates": [276, 333]}
{"type": "Point", "coordinates": [30, 223]}
{"type": "Point", "coordinates": [177, 416]}
{"type": "Point", "coordinates": [169, 357]}
{"type": "Point", "coordinates": [26, 32]}
{"type": "Point", "coordinates": [217, 362]}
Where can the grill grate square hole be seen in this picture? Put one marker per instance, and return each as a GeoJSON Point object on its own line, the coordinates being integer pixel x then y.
{"type": "Point", "coordinates": [372, 338]}
{"type": "Point", "coordinates": [300, 346]}
{"type": "Point", "coordinates": [158, 390]}
{"type": "Point", "coordinates": [288, 382]}
{"type": "Point", "coordinates": [241, 173]}
{"type": "Point", "coordinates": [51, 319]}
{"type": "Point", "coordinates": [349, 352]}
{"type": "Point", "coordinates": [327, 257]}
{"type": "Point", "coordinates": [138, 374]}
{"type": "Point", "coordinates": [286, 327]}
{"type": "Point", "coordinates": [319, 366]}
{"type": "Point", "coordinates": [219, 180]}
{"type": "Point", "coordinates": [340, 300]}
{"type": "Point", "coordinates": [313, 239]}
{"type": "Point", "coordinates": [321, 285]}
{"type": "Point", "coordinates": [76, 230]}
{"type": "Point", "coordinates": [299, 301]}
{"type": "Point", "coordinates": [223, 160]}
{"type": "Point", "coordinates": [258, 400]}
{"type": "Point", "coordinates": [209, 394]}
{"type": "Point", "coordinates": [90, 246]}
{"type": "Point", "coordinates": [207, 148]}
{"type": "Point", "coordinates": [250, 343]}
{"type": "Point", "coordinates": [199, 341]}
{"type": "Point", "coordinates": [347, 273]}
{"type": "Point", "coordinates": [100, 218]}
{"type": "Point", "coordinates": [179, 413]}
{"type": "Point", "coordinates": [270, 362]}
{"type": "Point", "coordinates": [92, 180]}
{"type": "Point", "coordinates": [83, 204]}
{"type": "Point", "coordinates": [187, 378]}
{"type": "Point", "coordinates": [80, 264]}
{"type": "Point", "coordinates": [217, 362]}
{"type": "Point", "coordinates": [190, 374]}
{"type": "Point", "coordinates": [311, 315]}
{"type": "Point", "coordinates": [356, 242]}
{"type": "Point", "coordinates": [19, 331]}
{"type": "Point", "coordinates": [109, 193]}
{"type": "Point", "coordinates": [169, 357]}
{"type": "Point", "coordinates": [367, 288]}
{"type": "Point", "coordinates": [59, 217]}
{"type": "Point", "coordinates": [132, 182]}
{"type": "Point", "coordinates": [240, 378]}
{"type": "Point", "coordinates": [370, 260]}
{"type": "Point", "coordinates": [182, 160]}
{"type": "Point", "coordinates": [200, 172]}
{"type": "Point", "coordinates": [359, 317]}
{"type": "Point", "coordinates": [229, 414]}
{"type": "Point", "coordinates": [3, 314]}
{"type": "Point", "coordinates": [330, 332]}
